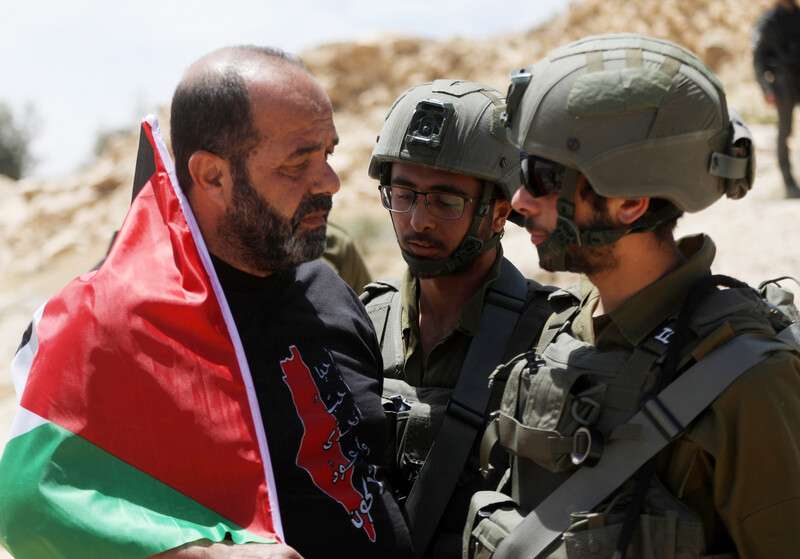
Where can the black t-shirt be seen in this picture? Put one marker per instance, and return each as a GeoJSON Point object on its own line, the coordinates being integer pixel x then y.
{"type": "Point", "coordinates": [315, 364]}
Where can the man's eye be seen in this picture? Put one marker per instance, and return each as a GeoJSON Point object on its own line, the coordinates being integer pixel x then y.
{"type": "Point", "coordinates": [295, 169]}
{"type": "Point", "coordinates": [445, 201]}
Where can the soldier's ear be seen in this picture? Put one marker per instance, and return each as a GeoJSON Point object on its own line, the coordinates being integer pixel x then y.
{"type": "Point", "coordinates": [211, 176]}
{"type": "Point", "coordinates": [628, 210]}
{"type": "Point", "coordinates": [502, 209]}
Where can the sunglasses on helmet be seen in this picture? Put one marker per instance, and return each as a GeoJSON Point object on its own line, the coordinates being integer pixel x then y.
{"type": "Point", "coordinates": [540, 177]}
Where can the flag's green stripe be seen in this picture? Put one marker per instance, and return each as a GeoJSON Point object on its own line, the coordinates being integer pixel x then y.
{"type": "Point", "coordinates": [62, 497]}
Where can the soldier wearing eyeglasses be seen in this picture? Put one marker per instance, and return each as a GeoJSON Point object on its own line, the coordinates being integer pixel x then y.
{"type": "Point", "coordinates": [446, 177]}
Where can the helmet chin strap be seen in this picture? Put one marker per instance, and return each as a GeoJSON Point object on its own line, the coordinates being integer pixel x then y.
{"type": "Point", "coordinates": [567, 233]}
{"type": "Point", "coordinates": [471, 246]}
{"type": "Point", "coordinates": [468, 251]}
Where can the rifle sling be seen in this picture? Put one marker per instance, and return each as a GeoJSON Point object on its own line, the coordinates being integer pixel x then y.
{"type": "Point", "coordinates": [466, 411]}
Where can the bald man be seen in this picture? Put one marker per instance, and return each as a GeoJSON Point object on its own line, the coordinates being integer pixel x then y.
{"type": "Point", "coordinates": [252, 132]}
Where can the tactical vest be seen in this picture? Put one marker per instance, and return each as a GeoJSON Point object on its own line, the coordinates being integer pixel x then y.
{"type": "Point", "coordinates": [564, 401]}
{"type": "Point", "coordinates": [415, 414]}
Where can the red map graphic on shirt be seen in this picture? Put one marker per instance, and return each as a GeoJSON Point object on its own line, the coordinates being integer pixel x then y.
{"type": "Point", "coordinates": [321, 453]}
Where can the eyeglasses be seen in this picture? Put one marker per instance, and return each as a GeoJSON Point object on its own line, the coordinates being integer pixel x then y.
{"type": "Point", "coordinates": [443, 205]}
{"type": "Point", "coordinates": [540, 176]}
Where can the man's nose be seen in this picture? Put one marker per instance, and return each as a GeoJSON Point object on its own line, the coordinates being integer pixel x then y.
{"type": "Point", "coordinates": [522, 201]}
{"type": "Point", "coordinates": [327, 182]}
{"type": "Point", "coordinates": [421, 218]}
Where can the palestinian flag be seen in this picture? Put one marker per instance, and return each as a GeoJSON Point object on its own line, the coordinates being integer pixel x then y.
{"type": "Point", "coordinates": [138, 428]}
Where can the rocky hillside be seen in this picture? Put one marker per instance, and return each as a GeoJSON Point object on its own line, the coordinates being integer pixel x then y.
{"type": "Point", "coordinates": [54, 229]}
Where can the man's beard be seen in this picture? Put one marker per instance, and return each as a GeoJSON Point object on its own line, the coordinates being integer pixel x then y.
{"type": "Point", "coordinates": [463, 268]}
{"type": "Point", "coordinates": [265, 241]}
{"type": "Point", "coordinates": [587, 260]}
{"type": "Point", "coordinates": [591, 260]}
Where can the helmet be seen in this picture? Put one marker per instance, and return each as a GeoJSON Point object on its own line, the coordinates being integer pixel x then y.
{"type": "Point", "coordinates": [454, 126]}
{"type": "Point", "coordinates": [639, 117]}
{"type": "Point", "coordinates": [450, 125]}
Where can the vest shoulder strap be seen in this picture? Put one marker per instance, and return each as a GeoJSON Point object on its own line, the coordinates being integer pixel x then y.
{"type": "Point", "coordinates": [565, 304]}
{"type": "Point", "coordinates": [382, 300]}
{"type": "Point", "coordinates": [466, 412]}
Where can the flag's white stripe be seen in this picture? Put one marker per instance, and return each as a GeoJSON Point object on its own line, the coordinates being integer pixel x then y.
{"type": "Point", "coordinates": [23, 359]}
{"type": "Point", "coordinates": [226, 312]}
{"type": "Point", "coordinates": [25, 421]}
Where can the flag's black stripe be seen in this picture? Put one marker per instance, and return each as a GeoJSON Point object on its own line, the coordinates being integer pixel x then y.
{"type": "Point", "coordinates": [145, 164]}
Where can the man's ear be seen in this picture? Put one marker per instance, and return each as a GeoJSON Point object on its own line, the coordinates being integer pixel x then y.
{"type": "Point", "coordinates": [211, 176]}
{"type": "Point", "coordinates": [629, 210]}
{"type": "Point", "coordinates": [502, 209]}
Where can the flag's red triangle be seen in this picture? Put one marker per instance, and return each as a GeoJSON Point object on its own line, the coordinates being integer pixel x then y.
{"type": "Point", "coordinates": [137, 357]}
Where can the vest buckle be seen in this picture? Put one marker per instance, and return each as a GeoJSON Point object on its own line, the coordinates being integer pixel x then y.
{"type": "Point", "coordinates": [587, 447]}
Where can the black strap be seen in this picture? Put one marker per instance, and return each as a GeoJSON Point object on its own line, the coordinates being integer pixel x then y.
{"type": "Point", "coordinates": [465, 418]}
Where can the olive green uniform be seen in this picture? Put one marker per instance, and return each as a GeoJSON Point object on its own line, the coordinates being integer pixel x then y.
{"type": "Point", "coordinates": [738, 464]}
{"type": "Point", "coordinates": [447, 357]}
{"type": "Point", "coordinates": [629, 117]}
{"type": "Point", "coordinates": [343, 255]}
{"type": "Point", "coordinates": [437, 376]}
